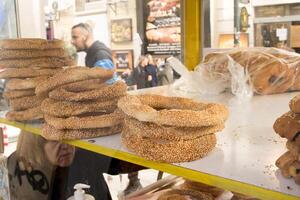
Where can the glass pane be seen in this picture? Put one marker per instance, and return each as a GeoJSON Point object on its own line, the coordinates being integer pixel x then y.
{"type": "Point", "coordinates": [131, 29]}
{"type": "Point", "coordinates": [8, 19]}
{"type": "Point", "coordinates": [244, 23]}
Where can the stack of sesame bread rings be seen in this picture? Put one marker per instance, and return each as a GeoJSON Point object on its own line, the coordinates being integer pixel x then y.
{"type": "Point", "coordinates": [288, 126]}
{"type": "Point", "coordinates": [80, 104]}
{"type": "Point", "coordinates": [25, 63]}
{"type": "Point", "coordinates": [170, 129]}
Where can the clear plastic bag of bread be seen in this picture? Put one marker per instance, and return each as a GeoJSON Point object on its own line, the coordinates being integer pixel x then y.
{"type": "Point", "coordinates": [202, 80]}
{"type": "Point", "coordinates": [212, 77]}
{"type": "Point", "coordinates": [262, 70]}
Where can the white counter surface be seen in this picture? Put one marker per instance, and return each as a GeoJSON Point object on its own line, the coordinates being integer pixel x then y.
{"type": "Point", "coordinates": [246, 149]}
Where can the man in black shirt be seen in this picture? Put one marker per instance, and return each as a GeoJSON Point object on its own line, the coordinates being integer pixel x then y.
{"type": "Point", "coordinates": [97, 53]}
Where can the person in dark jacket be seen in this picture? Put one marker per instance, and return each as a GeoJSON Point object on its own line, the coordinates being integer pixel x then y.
{"type": "Point", "coordinates": [139, 75]}
{"type": "Point", "coordinates": [151, 72]}
{"type": "Point", "coordinates": [97, 53]}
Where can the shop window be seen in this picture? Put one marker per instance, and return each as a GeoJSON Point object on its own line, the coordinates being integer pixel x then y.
{"type": "Point", "coordinates": [8, 19]}
{"type": "Point", "coordinates": [250, 23]}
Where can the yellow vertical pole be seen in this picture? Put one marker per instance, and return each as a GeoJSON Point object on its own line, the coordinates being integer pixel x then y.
{"type": "Point", "coordinates": [192, 33]}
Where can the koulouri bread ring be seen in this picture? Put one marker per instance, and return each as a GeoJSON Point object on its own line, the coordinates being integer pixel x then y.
{"type": "Point", "coordinates": [24, 103]}
{"type": "Point", "coordinates": [72, 75]}
{"type": "Point", "coordinates": [166, 150]}
{"type": "Point", "coordinates": [288, 126]}
{"type": "Point", "coordinates": [104, 93]}
{"type": "Point", "coordinates": [273, 78]}
{"type": "Point", "coordinates": [296, 84]}
{"type": "Point", "coordinates": [269, 70]}
{"type": "Point", "coordinates": [173, 111]}
{"type": "Point", "coordinates": [27, 72]}
{"type": "Point", "coordinates": [50, 133]}
{"type": "Point", "coordinates": [295, 104]}
{"type": "Point", "coordinates": [152, 130]}
{"type": "Point", "coordinates": [201, 187]}
{"type": "Point", "coordinates": [24, 84]}
{"type": "Point", "coordinates": [85, 85]}
{"type": "Point", "coordinates": [85, 122]}
{"type": "Point", "coordinates": [11, 54]}
{"type": "Point", "coordinates": [41, 62]}
{"type": "Point", "coordinates": [13, 94]}
{"type": "Point", "coordinates": [294, 149]}
{"type": "Point", "coordinates": [31, 43]}
{"type": "Point", "coordinates": [25, 115]}
{"type": "Point", "coordinates": [67, 108]}
{"type": "Point", "coordinates": [285, 160]}
{"type": "Point", "coordinates": [177, 194]}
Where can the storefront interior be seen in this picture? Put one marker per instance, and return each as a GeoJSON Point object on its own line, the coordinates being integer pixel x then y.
{"type": "Point", "coordinates": [149, 99]}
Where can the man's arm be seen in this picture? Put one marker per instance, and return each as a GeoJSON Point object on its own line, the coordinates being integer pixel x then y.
{"type": "Point", "coordinates": [105, 63]}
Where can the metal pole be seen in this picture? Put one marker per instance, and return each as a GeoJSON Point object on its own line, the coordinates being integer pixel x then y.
{"type": "Point", "coordinates": [236, 23]}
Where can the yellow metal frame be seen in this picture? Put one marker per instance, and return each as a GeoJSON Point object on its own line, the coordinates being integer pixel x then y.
{"type": "Point", "coordinates": [192, 33]}
{"type": "Point", "coordinates": [209, 179]}
{"type": "Point", "coordinates": [24, 127]}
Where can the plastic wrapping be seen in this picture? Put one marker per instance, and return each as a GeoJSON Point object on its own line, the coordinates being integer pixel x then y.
{"type": "Point", "coordinates": [201, 80]}
{"type": "Point", "coordinates": [266, 70]}
{"type": "Point", "coordinates": [244, 71]}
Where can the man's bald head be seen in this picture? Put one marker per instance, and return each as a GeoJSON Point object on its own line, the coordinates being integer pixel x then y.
{"type": "Point", "coordinates": [85, 27]}
{"type": "Point", "coordinates": [82, 36]}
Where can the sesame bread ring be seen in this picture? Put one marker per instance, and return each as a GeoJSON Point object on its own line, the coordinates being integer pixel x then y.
{"type": "Point", "coordinates": [31, 43]}
{"type": "Point", "coordinates": [296, 84]}
{"type": "Point", "coordinates": [201, 187]}
{"type": "Point", "coordinates": [285, 160]}
{"type": "Point", "coordinates": [25, 115]}
{"type": "Point", "coordinates": [252, 60]}
{"type": "Point", "coordinates": [85, 85]}
{"type": "Point", "coordinates": [218, 62]}
{"type": "Point", "coordinates": [294, 169]}
{"type": "Point", "coordinates": [23, 103]}
{"type": "Point", "coordinates": [24, 84]}
{"type": "Point", "coordinates": [50, 133]}
{"type": "Point", "coordinates": [177, 194]}
{"type": "Point", "coordinates": [11, 54]}
{"type": "Point", "coordinates": [173, 111]}
{"type": "Point", "coordinates": [43, 62]}
{"type": "Point", "coordinates": [86, 122]}
{"type": "Point", "coordinates": [288, 126]}
{"type": "Point", "coordinates": [72, 75]}
{"type": "Point", "coordinates": [13, 94]}
{"type": "Point", "coordinates": [27, 72]}
{"type": "Point", "coordinates": [152, 130]}
{"type": "Point", "coordinates": [294, 149]}
{"type": "Point", "coordinates": [167, 150]}
{"type": "Point", "coordinates": [67, 109]}
{"type": "Point", "coordinates": [295, 104]}
{"type": "Point", "coordinates": [106, 92]}
{"type": "Point", "coordinates": [273, 78]}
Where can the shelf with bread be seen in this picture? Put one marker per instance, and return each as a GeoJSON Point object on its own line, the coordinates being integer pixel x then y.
{"type": "Point", "coordinates": [243, 160]}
